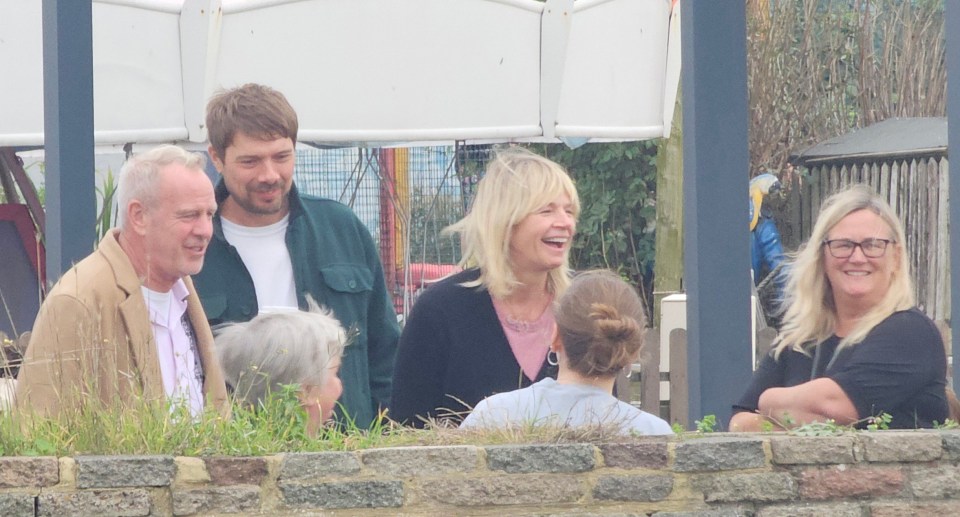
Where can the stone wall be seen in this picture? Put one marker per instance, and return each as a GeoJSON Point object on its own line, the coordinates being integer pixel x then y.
{"type": "Point", "coordinates": [861, 474]}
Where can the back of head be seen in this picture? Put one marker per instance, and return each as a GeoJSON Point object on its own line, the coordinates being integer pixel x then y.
{"type": "Point", "coordinates": [277, 349]}
{"type": "Point", "coordinates": [600, 321]}
{"type": "Point", "coordinates": [516, 183]}
{"type": "Point", "coordinates": [253, 109]}
{"type": "Point", "coordinates": [140, 174]}
{"type": "Point", "coordinates": [810, 309]}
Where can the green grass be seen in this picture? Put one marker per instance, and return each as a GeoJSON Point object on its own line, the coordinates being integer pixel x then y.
{"type": "Point", "coordinates": [276, 427]}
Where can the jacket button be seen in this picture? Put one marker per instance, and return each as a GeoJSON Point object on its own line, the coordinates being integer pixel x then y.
{"type": "Point", "coordinates": [245, 309]}
{"type": "Point", "coordinates": [352, 284]}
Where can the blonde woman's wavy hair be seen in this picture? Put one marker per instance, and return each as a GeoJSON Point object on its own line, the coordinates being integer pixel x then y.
{"type": "Point", "coordinates": [516, 184]}
{"type": "Point", "coordinates": [810, 316]}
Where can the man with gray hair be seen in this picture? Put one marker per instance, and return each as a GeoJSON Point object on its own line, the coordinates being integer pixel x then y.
{"type": "Point", "coordinates": [125, 324]}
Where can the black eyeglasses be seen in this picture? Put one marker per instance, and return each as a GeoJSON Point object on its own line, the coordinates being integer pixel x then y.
{"type": "Point", "coordinates": [843, 248]}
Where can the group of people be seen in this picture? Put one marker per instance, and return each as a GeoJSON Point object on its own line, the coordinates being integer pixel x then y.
{"type": "Point", "coordinates": [240, 288]}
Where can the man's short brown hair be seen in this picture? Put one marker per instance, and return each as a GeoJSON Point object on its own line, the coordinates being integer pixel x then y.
{"type": "Point", "coordinates": [252, 109]}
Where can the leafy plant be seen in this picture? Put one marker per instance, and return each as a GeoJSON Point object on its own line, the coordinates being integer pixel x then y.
{"type": "Point", "coordinates": [106, 219]}
{"type": "Point", "coordinates": [706, 425]}
{"type": "Point", "coordinates": [949, 424]}
{"type": "Point", "coordinates": [880, 422]}
{"type": "Point", "coordinates": [828, 428]}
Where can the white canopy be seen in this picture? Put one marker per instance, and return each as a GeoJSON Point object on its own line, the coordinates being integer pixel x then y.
{"type": "Point", "coordinates": [363, 70]}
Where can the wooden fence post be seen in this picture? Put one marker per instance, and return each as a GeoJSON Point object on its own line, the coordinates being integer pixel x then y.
{"type": "Point", "coordinates": [650, 373]}
{"type": "Point", "coordinates": [679, 390]}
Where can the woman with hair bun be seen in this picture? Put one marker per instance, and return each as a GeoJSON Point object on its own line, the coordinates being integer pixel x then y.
{"type": "Point", "coordinates": [600, 324]}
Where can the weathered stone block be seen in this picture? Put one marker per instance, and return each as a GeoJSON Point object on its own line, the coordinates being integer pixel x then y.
{"type": "Point", "coordinates": [190, 471]}
{"type": "Point", "coordinates": [125, 503]}
{"type": "Point", "coordinates": [901, 447]}
{"type": "Point", "coordinates": [22, 472]}
{"type": "Point", "coordinates": [124, 471]}
{"type": "Point", "coordinates": [647, 454]}
{"type": "Point", "coordinates": [234, 499]}
{"type": "Point", "coordinates": [707, 454]}
{"type": "Point", "coordinates": [314, 465]}
{"type": "Point", "coordinates": [804, 450]}
{"type": "Point", "coordinates": [633, 488]}
{"type": "Point", "coordinates": [951, 444]}
{"type": "Point", "coordinates": [843, 482]}
{"type": "Point", "coordinates": [505, 490]}
{"type": "Point", "coordinates": [541, 458]}
{"type": "Point", "coordinates": [712, 512]}
{"type": "Point", "coordinates": [811, 510]}
{"type": "Point", "coordinates": [16, 505]}
{"type": "Point", "coordinates": [344, 494]}
{"type": "Point", "coordinates": [225, 470]}
{"type": "Point", "coordinates": [580, 513]}
{"type": "Point", "coordinates": [422, 461]}
{"type": "Point", "coordinates": [914, 509]}
{"type": "Point", "coordinates": [935, 483]}
{"type": "Point", "coordinates": [761, 487]}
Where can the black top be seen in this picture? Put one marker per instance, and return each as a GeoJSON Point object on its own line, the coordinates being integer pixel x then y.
{"type": "Point", "coordinates": [453, 353]}
{"type": "Point", "coordinates": [900, 368]}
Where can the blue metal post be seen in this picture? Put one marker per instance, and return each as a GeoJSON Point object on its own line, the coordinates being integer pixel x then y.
{"type": "Point", "coordinates": [68, 132]}
{"type": "Point", "coordinates": [952, 30]}
{"type": "Point", "coordinates": [715, 203]}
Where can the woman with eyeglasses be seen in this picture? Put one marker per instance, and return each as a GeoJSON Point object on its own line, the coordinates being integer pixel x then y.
{"type": "Point", "coordinates": [852, 346]}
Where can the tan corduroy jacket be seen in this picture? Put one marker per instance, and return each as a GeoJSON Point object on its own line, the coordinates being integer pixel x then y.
{"type": "Point", "coordinates": [93, 340]}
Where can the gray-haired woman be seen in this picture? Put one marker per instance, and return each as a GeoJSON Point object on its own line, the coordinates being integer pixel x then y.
{"type": "Point", "coordinates": [283, 348]}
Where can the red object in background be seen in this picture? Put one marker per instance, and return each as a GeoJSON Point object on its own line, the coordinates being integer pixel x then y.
{"type": "Point", "coordinates": [421, 276]}
{"type": "Point", "coordinates": [19, 215]}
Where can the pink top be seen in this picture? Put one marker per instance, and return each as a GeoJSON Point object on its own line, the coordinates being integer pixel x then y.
{"type": "Point", "coordinates": [529, 340]}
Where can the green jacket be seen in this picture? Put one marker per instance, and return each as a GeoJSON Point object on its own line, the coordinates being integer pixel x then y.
{"type": "Point", "coordinates": [334, 260]}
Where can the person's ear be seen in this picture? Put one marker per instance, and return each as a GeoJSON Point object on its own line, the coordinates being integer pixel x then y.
{"type": "Point", "coordinates": [137, 217]}
{"type": "Point", "coordinates": [215, 159]}
{"type": "Point", "coordinates": [556, 344]}
{"type": "Point", "coordinates": [314, 412]}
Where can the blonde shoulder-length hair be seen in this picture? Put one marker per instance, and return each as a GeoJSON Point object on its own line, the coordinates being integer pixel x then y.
{"type": "Point", "coordinates": [810, 315]}
{"type": "Point", "coordinates": [517, 182]}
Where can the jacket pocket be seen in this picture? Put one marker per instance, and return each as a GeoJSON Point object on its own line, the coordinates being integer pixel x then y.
{"type": "Point", "coordinates": [347, 278]}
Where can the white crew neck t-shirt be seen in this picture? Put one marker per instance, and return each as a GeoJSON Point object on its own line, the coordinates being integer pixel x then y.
{"type": "Point", "coordinates": [265, 254]}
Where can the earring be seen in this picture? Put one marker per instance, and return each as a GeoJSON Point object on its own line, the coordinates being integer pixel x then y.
{"type": "Point", "coordinates": [628, 371]}
{"type": "Point", "coordinates": [552, 358]}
